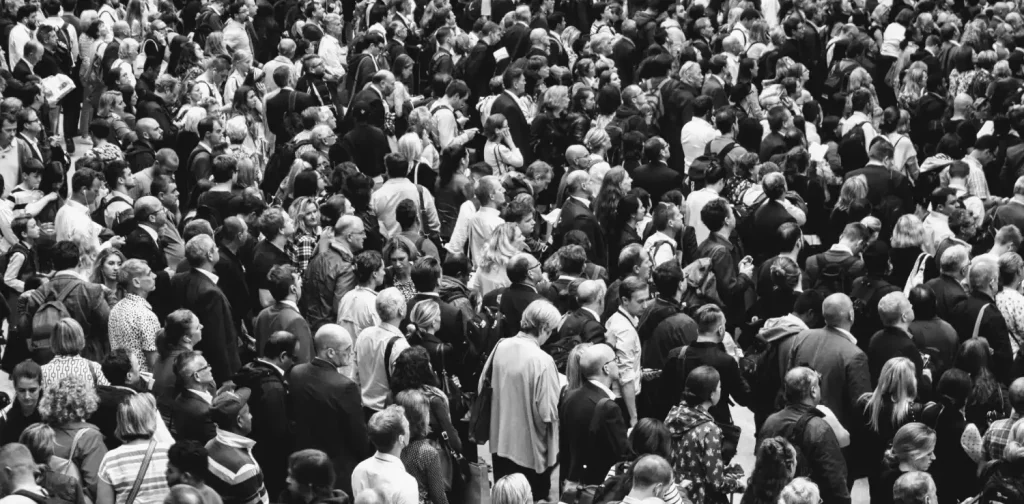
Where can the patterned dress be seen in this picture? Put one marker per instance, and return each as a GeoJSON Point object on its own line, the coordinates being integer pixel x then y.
{"type": "Point", "coordinates": [697, 455]}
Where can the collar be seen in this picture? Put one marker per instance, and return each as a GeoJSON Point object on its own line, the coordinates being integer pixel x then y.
{"type": "Point", "coordinates": [28, 138]}
{"type": "Point", "coordinates": [290, 303]}
{"type": "Point", "coordinates": [213, 278]}
{"type": "Point", "coordinates": [513, 95]}
{"type": "Point", "coordinates": [206, 146]}
{"type": "Point", "coordinates": [632, 320]}
{"type": "Point", "coordinates": [138, 299]}
{"type": "Point", "coordinates": [366, 289]}
{"type": "Point", "coordinates": [234, 440]}
{"type": "Point", "coordinates": [204, 395]}
{"type": "Point", "coordinates": [76, 205]}
{"type": "Point", "coordinates": [282, 59]}
{"type": "Point", "coordinates": [839, 247]}
{"type": "Point", "coordinates": [585, 201]}
{"type": "Point", "coordinates": [388, 458]}
{"type": "Point", "coordinates": [271, 364]}
{"type": "Point", "coordinates": [606, 390]}
{"type": "Point", "coordinates": [74, 273]}
{"type": "Point", "coordinates": [847, 334]}
{"type": "Point", "coordinates": [592, 312]}
{"type": "Point", "coordinates": [151, 232]}
{"type": "Point", "coordinates": [390, 328]}
{"type": "Point", "coordinates": [939, 216]}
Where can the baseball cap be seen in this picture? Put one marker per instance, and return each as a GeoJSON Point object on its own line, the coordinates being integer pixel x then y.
{"type": "Point", "coordinates": [226, 406]}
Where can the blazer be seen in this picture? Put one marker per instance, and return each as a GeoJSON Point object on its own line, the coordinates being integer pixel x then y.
{"type": "Point", "coordinates": [277, 107]}
{"type": "Point", "coordinates": [948, 292]}
{"type": "Point", "coordinates": [894, 342]}
{"type": "Point", "coordinates": [139, 244]}
{"type": "Point", "coordinates": [716, 90]}
{"type": "Point", "coordinates": [191, 419]}
{"type": "Point", "coordinates": [509, 107]}
{"type": "Point", "coordinates": [584, 324]}
{"type": "Point", "coordinates": [575, 215]}
{"type": "Point", "coordinates": [965, 315]}
{"type": "Point", "coordinates": [843, 367]}
{"type": "Point", "coordinates": [767, 219]}
{"type": "Point", "coordinates": [588, 455]}
{"type": "Point", "coordinates": [283, 317]}
{"type": "Point", "coordinates": [195, 291]}
{"type": "Point", "coordinates": [514, 301]}
{"type": "Point", "coordinates": [657, 179]}
{"type": "Point", "coordinates": [328, 416]}
{"type": "Point", "coordinates": [516, 41]}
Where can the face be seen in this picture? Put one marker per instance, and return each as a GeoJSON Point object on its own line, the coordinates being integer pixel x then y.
{"type": "Point", "coordinates": [170, 197]}
{"type": "Point", "coordinates": [27, 391]}
{"type": "Point", "coordinates": [252, 100]}
{"type": "Point", "coordinates": [156, 134]}
{"type": "Point", "coordinates": [7, 133]}
{"type": "Point", "coordinates": [950, 205]}
{"type": "Point", "coordinates": [245, 419]}
{"type": "Point", "coordinates": [498, 196]}
{"type": "Point", "coordinates": [32, 230]}
{"type": "Point", "coordinates": [626, 184]}
{"type": "Point", "coordinates": [129, 178]}
{"type": "Point", "coordinates": [203, 373]}
{"type": "Point", "coordinates": [923, 460]}
{"type": "Point", "coordinates": [311, 217]}
{"type": "Point", "coordinates": [146, 281]}
{"type": "Point", "coordinates": [644, 271]}
{"type": "Point", "coordinates": [195, 334]}
{"type": "Point", "coordinates": [33, 125]}
{"type": "Point", "coordinates": [542, 183]}
{"type": "Point", "coordinates": [356, 236]}
{"type": "Point", "coordinates": [519, 240]}
{"type": "Point", "coordinates": [717, 394]}
{"type": "Point", "coordinates": [635, 304]}
{"type": "Point", "coordinates": [216, 136]}
{"type": "Point", "coordinates": [399, 260]}
{"type": "Point", "coordinates": [316, 67]}
{"type": "Point", "coordinates": [111, 265]}
{"type": "Point", "coordinates": [173, 475]}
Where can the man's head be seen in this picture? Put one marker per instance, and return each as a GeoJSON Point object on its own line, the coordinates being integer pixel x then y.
{"type": "Point", "coordinates": [391, 305]}
{"type": "Point", "coordinates": [369, 269]}
{"type": "Point", "coordinates": [943, 199]}
{"type": "Point", "coordinates": [577, 184]}
{"type": "Point", "coordinates": [598, 363]}
{"type": "Point", "coordinates": [490, 191]}
{"type": "Point", "coordinates": [282, 348]}
{"type": "Point", "coordinates": [149, 130]}
{"type": "Point", "coordinates": [389, 430]}
{"type": "Point", "coordinates": [667, 218]}
{"type": "Point", "coordinates": [201, 251]}
{"type": "Point", "coordinates": [136, 277]}
{"type": "Point", "coordinates": [633, 260]}
{"type": "Point", "coordinates": [28, 121]}
{"type": "Point", "coordinates": [1008, 239]}
{"type": "Point", "coordinates": [634, 294]}
{"type": "Point", "coordinates": [984, 276]}
{"type": "Point", "coordinates": [955, 261]}
{"type": "Point", "coordinates": [855, 236]}
{"type": "Point", "coordinates": [914, 487]}
{"type": "Point", "coordinates": [193, 370]}
{"type": "Point", "coordinates": [895, 310]}
{"type": "Point", "coordinates": [350, 231]}
{"type": "Point", "coordinates": [426, 274]}
{"type": "Point", "coordinates": [187, 464]}
{"type": "Point", "coordinates": [333, 344]}
{"type": "Point", "coordinates": [572, 259]}
{"type": "Point", "coordinates": [710, 322]}
{"type": "Point", "coordinates": [150, 211]}
{"type": "Point", "coordinates": [717, 215]}
{"type": "Point", "coordinates": [66, 255]}
{"type": "Point", "coordinates": [211, 130]}
{"type": "Point", "coordinates": [230, 411]}
{"type": "Point", "coordinates": [165, 190]}
{"type": "Point", "coordinates": [121, 368]}
{"type": "Point", "coordinates": [590, 294]}
{"type": "Point", "coordinates": [284, 282]}
{"type": "Point", "coordinates": [652, 474]}
{"type": "Point", "coordinates": [523, 268]}
{"type": "Point", "coordinates": [837, 311]}
{"type": "Point", "coordinates": [803, 386]}
{"type": "Point", "coordinates": [275, 223]}
{"type": "Point", "coordinates": [17, 468]}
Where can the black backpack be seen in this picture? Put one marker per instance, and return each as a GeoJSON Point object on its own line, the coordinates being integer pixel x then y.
{"type": "Point", "coordinates": [794, 433]}
{"type": "Point", "coordinates": [853, 148]}
{"type": "Point", "coordinates": [834, 275]}
{"type": "Point", "coordinates": [278, 166]}
{"type": "Point", "coordinates": [864, 296]}
{"type": "Point", "coordinates": [834, 88]}
{"type": "Point", "coordinates": [205, 25]}
{"type": "Point", "coordinates": [723, 154]}
{"type": "Point", "coordinates": [99, 217]}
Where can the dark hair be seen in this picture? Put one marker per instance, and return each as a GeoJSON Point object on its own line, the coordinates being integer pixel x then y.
{"type": "Point", "coordinates": [922, 298]}
{"type": "Point", "coordinates": [27, 370]}
{"type": "Point", "coordinates": [956, 385]}
{"type": "Point", "coordinates": [700, 385]}
{"type": "Point", "coordinates": [451, 159]}
{"type": "Point", "coordinates": [425, 274]}
{"type": "Point", "coordinates": [406, 214]}
{"type": "Point", "coordinates": [973, 357]}
{"type": "Point", "coordinates": [667, 277]}
{"type": "Point", "coordinates": [412, 371]}
{"type": "Point", "coordinates": [278, 343]}
{"type": "Point", "coordinates": [116, 366]}
{"type": "Point", "coordinates": [714, 214]}
{"type": "Point", "coordinates": [367, 263]}
{"type": "Point", "coordinates": [190, 457]}
{"type": "Point", "coordinates": [280, 280]}
{"type": "Point", "coordinates": [66, 255]}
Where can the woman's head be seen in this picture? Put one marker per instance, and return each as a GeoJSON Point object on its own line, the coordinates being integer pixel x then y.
{"type": "Point", "coordinates": [703, 385]}
{"type": "Point", "coordinates": [403, 67]}
{"type": "Point", "coordinates": [136, 418]}
{"type": "Point", "coordinates": [897, 386]}
{"type": "Point", "coordinates": [425, 317]}
{"type": "Point", "coordinates": [107, 264]}
{"type": "Point", "coordinates": [651, 436]}
{"type": "Point", "coordinates": [506, 241]}
{"type": "Point", "coordinates": [908, 233]}
{"type": "Point", "coordinates": [855, 188]}
{"type": "Point", "coordinates": [556, 98]}
{"type": "Point", "coordinates": [512, 489]}
{"type": "Point", "coordinates": [494, 125]}
{"type": "Point", "coordinates": [773, 469]}
{"type": "Point", "coordinates": [539, 319]}
{"type": "Point", "coordinates": [785, 274]}
{"type": "Point", "coordinates": [973, 356]}
{"type": "Point", "coordinates": [399, 254]}
{"type": "Point", "coordinates": [310, 473]}
{"type": "Point", "coordinates": [417, 412]}
{"type": "Point", "coordinates": [914, 446]}
{"type": "Point", "coordinates": [956, 385]}
{"type": "Point", "coordinates": [597, 140]}
{"type": "Point", "coordinates": [410, 145]}
{"type": "Point", "coordinates": [412, 370]}
{"type": "Point", "coordinates": [71, 400]}
{"type": "Point", "coordinates": [181, 330]}
{"type": "Point", "coordinates": [67, 338]}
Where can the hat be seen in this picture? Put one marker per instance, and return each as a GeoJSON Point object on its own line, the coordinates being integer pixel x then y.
{"type": "Point", "coordinates": [226, 406]}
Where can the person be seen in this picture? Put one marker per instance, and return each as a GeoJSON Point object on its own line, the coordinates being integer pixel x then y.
{"type": "Point", "coordinates": [191, 410]}
{"type": "Point", "coordinates": [773, 470]}
{"type": "Point", "coordinates": [143, 242]}
{"type": "Point", "coordinates": [697, 440]}
{"type": "Point", "coordinates": [732, 276]}
{"type": "Point", "coordinates": [388, 430]}
{"type": "Point", "coordinates": [970, 317]}
{"type": "Point", "coordinates": [584, 322]}
{"type": "Point", "coordinates": [181, 331]}
{"type": "Point", "coordinates": [957, 473]}
{"type": "Point", "coordinates": [593, 432]}
{"type": "Point", "coordinates": [121, 369]}
{"type": "Point", "coordinates": [576, 215]}
{"type": "Point", "coordinates": [236, 476]}
{"type": "Point", "coordinates": [894, 340]}
{"type": "Point", "coordinates": [803, 426]}
{"type": "Point", "coordinates": [846, 254]}
{"type": "Point", "coordinates": [65, 407]}
{"type": "Point", "coordinates": [374, 362]}
{"type": "Point", "coordinates": [20, 479]}
{"type": "Point", "coordinates": [277, 227]}
{"type": "Point", "coordinates": [331, 273]}
{"type": "Point", "coordinates": [311, 479]}
{"type": "Point", "coordinates": [357, 310]}
{"type": "Point", "coordinates": [953, 265]}
{"type": "Point", "coordinates": [932, 335]}
{"type": "Point", "coordinates": [988, 398]}
{"type": "Point", "coordinates": [27, 378]}
{"type": "Point", "coordinates": [477, 229]}
{"type": "Point", "coordinates": [522, 371]}
{"type": "Point", "coordinates": [188, 464]}
{"type": "Point", "coordinates": [67, 340]}
{"type": "Point", "coordinates": [271, 426]}
{"type": "Point", "coordinates": [913, 449]}
{"type": "Point", "coordinates": [132, 323]}
{"type": "Point", "coordinates": [137, 421]}
{"type": "Point", "coordinates": [914, 487]}
{"type": "Point", "coordinates": [398, 187]}
{"type": "Point", "coordinates": [38, 438]}
{"type": "Point", "coordinates": [286, 288]}
{"type": "Point", "coordinates": [326, 405]}
{"type": "Point", "coordinates": [711, 349]}
{"type": "Point", "coordinates": [421, 458]}
{"type": "Point", "coordinates": [999, 432]}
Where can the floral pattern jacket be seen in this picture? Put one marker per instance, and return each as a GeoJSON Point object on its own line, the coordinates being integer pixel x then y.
{"type": "Point", "coordinates": [697, 455]}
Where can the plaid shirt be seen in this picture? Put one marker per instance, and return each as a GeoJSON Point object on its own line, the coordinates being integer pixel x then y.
{"type": "Point", "coordinates": [997, 436]}
{"type": "Point", "coordinates": [302, 248]}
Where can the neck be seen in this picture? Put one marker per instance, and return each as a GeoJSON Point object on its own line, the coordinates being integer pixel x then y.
{"type": "Point", "coordinates": [291, 298]}
{"type": "Point", "coordinates": [279, 241]}
{"type": "Point", "coordinates": [792, 254]}
{"type": "Point", "coordinates": [709, 338]}
{"type": "Point", "coordinates": [724, 233]}
{"type": "Point", "coordinates": [207, 266]}
{"type": "Point", "coordinates": [394, 322]}
{"type": "Point", "coordinates": [138, 292]}
{"type": "Point", "coordinates": [901, 326]}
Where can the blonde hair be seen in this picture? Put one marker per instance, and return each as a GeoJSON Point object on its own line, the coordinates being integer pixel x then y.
{"type": "Point", "coordinates": [800, 491]}
{"type": "Point", "coordinates": [72, 399]}
{"type": "Point", "coordinates": [538, 316]}
{"type": "Point", "coordinates": [214, 44]}
{"type": "Point", "coordinates": [39, 439]}
{"type": "Point", "coordinates": [410, 145]}
{"type": "Point", "coordinates": [911, 441]}
{"type": "Point", "coordinates": [596, 139]}
{"type": "Point", "coordinates": [136, 417]}
{"type": "Point", "coordinates": [67, 337]}
{"type": "Point", "coordinates": [500, 247]}
{"type": "Point", "coordinates": [909, 232]}
{"type": "Point", "coordinates": [512, 489]}
{"type": "Point", "coordinates": [424, 316]}
{"type": "Point", "coordinates": [573, 373]}
{"type": "Point", "coordinates": [897, 385]}
{"type": "Point", "coordinates": [556, 95]}
{"type": "Point", "coordinates": [298, 210]}
{"type": "Point", "coordinates": [853, 189]}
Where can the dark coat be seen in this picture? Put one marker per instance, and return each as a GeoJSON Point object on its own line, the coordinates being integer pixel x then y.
{"type": "Point", "coordinates": [576, 216]}
{"type": "Point", "coordinates": [584, 324]}
{"type": "Point", "coordinates": [271, 427]}
{"type": "Point", "coordinates": [373, 100]}
{"type": "Point", "coordinates": [231, 280]}
{"type": "Point", "coordinates": [277, 107]}
{"type": "Point", "coordinates": [767, 219]}
{"type": "Point", "coordinates": [657, 179]}
{"type": "Point", "coordinates": [843, 367]}
{"type": "Point", "coordinates": [820, 448]}
{"type": "Point", "coordinates": [587, 453]}
{"type": "Point", "coordinates": [514, 301]}
{"type": "Point", "coordinates": [154, 107]}
{"type": "Point", "coordinates": [948, 292]}
{"type": "Point", "coordinates": [282, 317]}
{"type": "Point", "coordinates": [516, 41]}
{"type": "Point", "coordinates": [195, 291]}
{"type": "Point", "coordinates": [139, 244]}
{"type": "Point", "coordinates": [505, 105]}
{"type": "Point", "coordinates": [366, 146]}
{"type": "Point", "coordinates": [966, 314]}
{"type": "Point", "coordinates": [894, 342]}
{"type": "Point", "coordinates": [663, 326]}
{"type": "Point", "coordinates": [85, 303]}
{"type": "Point", "coordinates": [191, 419]}
{"type": "Point", "coordinates": [480, 68]}
{"type": "Point", "coordinates": [328, 414]}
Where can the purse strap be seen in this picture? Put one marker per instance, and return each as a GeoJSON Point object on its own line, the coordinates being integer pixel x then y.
{"type": "Point", "coordinates": [977, 323]}
{"type": "Point", "coordinates": [142, 472]}
{"type": "Point", "coordinates": [488, 372]}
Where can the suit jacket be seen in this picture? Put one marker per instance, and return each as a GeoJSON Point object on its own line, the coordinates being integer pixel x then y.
{"type": "Point", "coordinates": [894, 342]}
{"type": "Point", "coordinates": [328, 416]}
{"type": "Point", "coordinates": [716, 90]}
{"type": "Point", "coordinates": [516, 41]}
{"type": "Point", "coordinates": [587, 454]}
{"type": "Point", "coordinates": [883, 184]}
{"type": "Point", "coordinates": [191, 420]}
{"type": "Point", "coordinates": [23, 72]}
{"type": "Point", "coordinates": [195, 291]}
{"type": "Point", "coordinates": [657, 179]}
{"type": "Point", "coordinates": [283, 317]}
{"type": "Point", "coordinates": [514, 301]}
{"type": "Point", "coordinates": [767, 219]}
{"type": "Point", "coordinates": [480, 67]}
{"type": "Point", "coordinates": [576, 216]}
{"type": "Point", "coordinates": [584, 324]}
{"type": "Point", "coordinates": [140, 245]}
{"type": "Point", "coordinates": [277, 107]}
{"type": "Point", "coordinates": [232, 283]}
{"type": "Point", "coordinates": [371, 97]}
{"type": "Point", "coordinates": [271, 428]}
{"type": "Point", "coordinates": [948, 293]}
{"type": "Point", "coordinates": [843, 367]}
{"type": "Point", "coordinates": [967, 313]}
{"type": "Point", "coordinates": [509, 107]}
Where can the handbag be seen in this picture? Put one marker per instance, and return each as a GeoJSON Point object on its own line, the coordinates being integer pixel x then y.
{"type": "Point", "coordinates": [480, 414]}
{"type": "Point", "coordinates": [478, 486]}
{"type": "Point", "coordinates": [730, 440]}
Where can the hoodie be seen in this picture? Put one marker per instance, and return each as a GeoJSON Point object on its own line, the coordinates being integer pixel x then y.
{"type": "Point", "coordinates": [646, 25]}
{"type": "Point", "coordinates": [629, 118]}
{"type": "Point", "coordinates": [454, 292]}
{"type": "Point", "coordinates": [698, 441]}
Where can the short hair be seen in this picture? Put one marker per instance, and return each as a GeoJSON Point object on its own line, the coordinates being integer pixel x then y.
{"type": "Point", "coordinates": [198, 248]}
{"type": "Point", "coordinates": [19, 225]}
{"type": "Point", "coordinates": [667, 277]}
{"type": "Point", "coordinates": [631, 256]}
{"type": "Point", "coordinates": [572, 259]}
{"type": "Point", "coordinates": [709, 318]}
{"type": "Point", "coordinates": [130, 270]}
{"type": "Point", "coordinates": [406, 213]}
{"type": "Point", "coordinates": [912, 488]}
{"type": "Point", "coordinates": [800, 382]}
{"type": "Point", "coordinates": [367, 262]}
{"type": "Point", "coordinates": [272, 222]}
{"type": "Point", "coordinates": [278, 343]}
{"type": "Point", "coordinates": [650, 470]}
{"type": "Point", "coordinates": [631, 285]}
{"type": "Point", "coordinates": [538, 316]}
{"type": "Point", "coordinates": [280, 280]}
{"type": "Point", "coordinates": [39, 439]}
{"type": "Point", "coordinates": [313, 468]}
{"type": "Point", "coordinates": [954, 259]}
{"type": "Point", "coordinates": [856, 231]}
{"type": "Point", "coordinates": [774, 185]}
{"type": "Point", "coordinates": [715, 213]}
{"type": "Point", "coordinates": [136, 417]}
{"type": "Point", "coordinates": [892, 306]}
{"type": "Point", "coordinates": [700, 385]}
{"type": "Point", "coordinates": [116, 366]}
{"type": "Point", "coordinates": [390, 304]}
{"type": "Point", "coordinates": [385, 427]}
{"type": "Point", "coordinates": [663, 214]}
{"type": "Point", "coordinates": [224, 167]}
{"type": "Point", "coordinates": [1007, 235]}
{"type": "Point", "coordinates": [799, 491]}
{"type": "Point", "coordinates": [426, 273]}
{"type": "Point", "coordinates": [84, 178]}
{"type": "Point", "coordinates": [68, 337]}
{"type": "Point", "coordinates": [189, 456]}
{"type": "Point", "coordinates": [66, 254]}
{"type": "Point", "coordinates": [984, 272]}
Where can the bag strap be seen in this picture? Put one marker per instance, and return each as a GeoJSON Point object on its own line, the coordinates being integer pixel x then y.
{"type": "Point", "coordinates": [31, 495]}
{"type": "Point", "coordinates": [142, 472]}
{"type": "Point", "coordinates": [977, 322]}
{"type": "Point", "coordinates": [291, 101]}
{"type": "Point", "coordinates": [66, 291]}
{"type": "Point", "coordinates": [74, 445]}
{"type": "Point", "coordinates": [488, 371]}
{"type": "Point", "coordinates": [387, 356]}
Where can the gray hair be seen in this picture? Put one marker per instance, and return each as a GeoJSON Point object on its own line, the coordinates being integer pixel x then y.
{"type": "Point", "coordinates": [954, 258]}
{"type": "Point", "coordinates": [198, 249]}
{"type": "Point", "coordinates": [539, 316]}
{"type": "Point", "coordinates": [390, 304]}
{"type": "Point", "coordinates": [892, 306]}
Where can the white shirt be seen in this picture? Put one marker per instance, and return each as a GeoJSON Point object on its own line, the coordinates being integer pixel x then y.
{"type": "Point", "coordinates": [235, 37]}
{"type": "Point", "coordinates": [333, 54]}
{"type": "Point", "coordinates": [385, 201]}
{"type": "Point", "coordinates": [73, 220]}
{"type": "Point", "coordinates": [695, 137]}
{"type": "Point", "coordinates": [622, 336]}
{"type": "Point", "coordinates": [663, 253]}
{"type": "Point", "coordinates": [936, 229]}
{"type": "Point", "coordinates": [371, 374]}
{"type": "Point", "coordinates": [387, 474]}
{"type": "Point", "coordinates": [357, 310]}
{"type": "Point", "coordinates": [606, 390]}
{"type": "Point", "coordinates": [213, 278]}
{"type": "Point", "coordinates": [20, 35]}
{"type": "Point", "coordinates": [694, 204]}
{"type": "Point", "coordinates": [479, 229]}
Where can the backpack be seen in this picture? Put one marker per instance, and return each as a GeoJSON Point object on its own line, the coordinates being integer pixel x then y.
{"type": "Point", "coordinates": [559, 350]}
{"type": "Point", "coordinates": [853, 148]}
{"type": "Point", "coordinates": [49, 314]}
{"type": "Point", "coordinates": [998, 488]}
{"type": "Point", "coordinates": [917, 272]}
{"type": "Point", "coordinates": [834, 88]}
{"type": "Point", "coordinates": [485, 328]}
{"type": "Point", "coordinates": [278, 166]}
{"type": "Point", "coordinates": [39, 499]}
{"type": "Point", "coordinates": [204, 26]}
{"type": "Point", "coordinates": [745, 220]}
{"type": "Point", "coordinates": [866, 295]}
{"type": "Point", "coordinates": [292, 118]}
{"type": "Point", "coordinates": [93, 72]}
{"type": "Point", "coordinates": [657, 246]}
{"type": "Point", "coordinates": [64, 48]}
{"type": "Point", "coordinates": [794, 433]}
{"type": "Point", "coordinates": [760, 367]}
{"type": "Point", "coordinates": [723, 154]}
{"type": "Point", "coordinates": [99, 214]}
{"type": "Point", "coordinates": [834, 275]}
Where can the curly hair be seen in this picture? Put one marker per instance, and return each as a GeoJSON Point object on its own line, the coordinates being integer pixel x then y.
{"type": "Point", "coordinates": [71, 400]}
{"type": "Point", "coordinates": [776, 460]}
{"type": "Point", "coordinates": [412, 371]}
{"type": "Point", "coordinates": [607, 202]}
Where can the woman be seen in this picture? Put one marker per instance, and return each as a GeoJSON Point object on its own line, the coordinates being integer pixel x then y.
{"type": "Point", "coordinates": [241, 68]}
{"type": "Point", "coordinates": [58, 477]}
{"type": "Point", "coordinates": [52, 182]}
{"type": "Point", "coordinates": [306, 215]}
{"type": "Point", "coordinates": [311, 480]}
{"type": "Point", "coordinates": [135, 16]}
{"type": "Point", "coordinates": [615, 185]}
{"type": "Point", "coordinates": [955, 476]}
{"type": "Point", "coordinates": [989, 399]}
{"type": "Point", "coordinates": [1009, 299]}
{"type": "Point", "coordinates": [609, 100]}
{"type": "Point", "coordinates": [424, 322]}
{"type": "Point", "coordinates": [410, 146]}
{"type": "Point", "coordinates": [963, 71]}
{"type": "Point", "coordinates": [649, 437]}
{"type": "Point", "coordinates": [984, 64]}
{"type": "Point", "coordinates": [136, 427]}
{"type": "Point", "coordinates": [855, 189]}
{"type": "Point", "coordinates": [417, 373]}
{"type": "Point", "coordinates": [895, 126]}
{"type": "Point", "coordinates": [421, 458]}
{"type": "Point", "coordinates": [67, 341]}
{"type": "Point", "coordinates": [624, 228]}
{"type": "Point", "coordinates": [215, 45]}
{"type": "Point", "coordinates": [453, 188]}
{"type": "Point", "coordinates": [697, 440]}
{"type": "Point", "coordinates": [915, 84]}
{"type": "Point", "coordinates": [65, 407]}
{"type": "Point", "coordinates": [180, 334]}
{"type": "Point", "coordinates": [776, 299]}
{"type": "Point", "coordinates": [506, 242]}
{"type": "Point", "coordinates": [574, 378]}
{"type": "Point", "coordinates": [125, 62]}
{"type": "Point", "coordinates": [773, 470]}
{"type": "Point", "coordinates": [584, 104]}
{"type": "Point", "coordinates": [745, 176]}
{"type": "Point", "coordinates": [512, 489]}
{"type": "Point", "coordinates": [888, 408]}
{"type": "Point", "coordinates": [913, 449]}
{"type": "Point", "coordinates": [861, 79]}
{"type": "Point", "coordinates": [744, 93]}
{"type": "Point", "coordinates": [399, 254]}
{"type": "Point", "coordinates": [111, 110]}
{"type": "Point", "coordinates": [184, 61]}
{"type": "Point", "coordinates": [907, 238]}
{"type": "Point", "coordinates": [247, 103]}
{"type": "Point", "coordinates": [104, 272]}
{"type": "Point", "coordinates": [500, 151]}
{"type": "Point", "coordinates": [551, 129]}
{"type": "Point", "coordinates": [92, 38]}
{"type": "Point", "coordinates": [598, 142]}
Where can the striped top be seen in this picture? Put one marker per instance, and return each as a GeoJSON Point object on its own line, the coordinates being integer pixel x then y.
{"type": "Point", "coordinates": [22, 196]}
{"type": "Point", "coordinates": [234, 473]}
{"type": "Point", "coordinates": [121, 465]}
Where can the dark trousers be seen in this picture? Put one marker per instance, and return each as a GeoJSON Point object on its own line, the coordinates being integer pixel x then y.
{"type": "Point", "coordinates": [540, 483]}
{"type": "Point", "coordinates": [72, 109]}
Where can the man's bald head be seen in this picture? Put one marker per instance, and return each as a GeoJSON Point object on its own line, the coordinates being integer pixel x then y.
{"type": "Point", "coordinates": [1017, 395]}
{"type": "Point", "coordinates": [594, 358]}
{"type": "Point", "coordinates": [332, 336]}
{"type": "Point", "coordinates": [286, 48]}
{"type": "Point", "coordinates": [837, 310]}
{"type": "Point", "coordinates": [345, 223]}
{"type": "Point", "coordinates": [146, 126]}
{"type": "Point", "coordinates": [590, 292]}
{"type": "Point", "coordinates": [147, 206]}
{"type": "Point", "coordinates": [183, 494]}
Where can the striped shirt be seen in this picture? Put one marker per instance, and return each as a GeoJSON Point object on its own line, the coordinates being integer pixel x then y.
{"type": "Point", "coordinates": [234, 473]}
{"type": "Point", "coordinates": [121, 465]}
{"type": "Point", "coordinates": [22, 197]}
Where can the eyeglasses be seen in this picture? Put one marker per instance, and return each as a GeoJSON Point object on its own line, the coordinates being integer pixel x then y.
{"type": "Point", "coordinates": [204, 368]}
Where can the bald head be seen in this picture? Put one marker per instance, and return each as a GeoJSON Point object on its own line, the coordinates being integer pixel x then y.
{"type": "Point", "coordinates": [146, 127]}
{"type": "Point", "coordinates": [984, 275]}
{"type": "Point", "coordinates": [837, 310]}
{"type": "Point", "coordinates": [286, 48]}
{"type": "Point", "coordinates": [590, 292]}
{"type": "Point", "coordinates": [331, 336]}
{"type": "Point", "coordinates": [346, 224]}
{"type": "Point", "coordinates": [593, 360]}
{"type": "Point", "coordinates": [538, 36]}
{"type": "Point", "coordinates": [183, 494]}
{"type": "Point", "coordinates": [147, 208]}
{"type": "Point", "coordinates": [1017, 395]}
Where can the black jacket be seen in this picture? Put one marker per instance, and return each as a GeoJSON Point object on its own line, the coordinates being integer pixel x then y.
{"type": "Point", "coordinates": [734, 386]}
{"type": "Point", "coordinates": [191, 419]}
{"type": "Point", "coordinates": [965, 315]}
{"type": "Point", "coordinates": [576, 216]}
{"type": "Point", "coordinates": [271, 427]}
{"type": "Point", "coordinates": [277, 107]}
{"type": "Point", "coordinates": [657, 179]}
{"type": "Point", "coordinates": [585, 453]}
{"type": "Point", "coordinates": [584, 324]}
{"type": "Point", "coordinates": [895, 342]}
{"type": "Point", "coordinates": [826, 465]}
{"type": "Point", "coordinates": [195, 291]}
{"type": "Point", "coordinates": [948, 293]}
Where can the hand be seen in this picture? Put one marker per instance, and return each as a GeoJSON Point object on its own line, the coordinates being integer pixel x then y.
{"type": "Point", "coordinates": [117, 241]}
{"type": "Point", "coordinates": [632, 422]}
{"type": "Point", "coordinates": [747, 269]}
{"type": "Point", "coordinates": [472, 132]}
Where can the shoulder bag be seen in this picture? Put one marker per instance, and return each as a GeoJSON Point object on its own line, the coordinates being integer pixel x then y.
{"type": "Point", "coordinates": [142, 472]}
{"type": "Point", "coordinates": [480, 413]}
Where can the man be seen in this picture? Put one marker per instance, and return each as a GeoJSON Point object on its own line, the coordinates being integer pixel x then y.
{"type": "Point", "coordinates": [718, 79]}
{"type": "Point", "coordinates": [443, 111]}
{"type": "Point", "coordinates": [157, 105]}
{"type": "Point", "coordinates": [585, 322]}
{"type": "Point", "coordinates": [237, 477]}
{"type": "Point", "coordinates": [524, 271]}
{"type": "Point", "coordinates": [330, 50]}
{"type": "Point", "coordinates": [285, 58]}
{"type": "Point", "coordinates": [231, 237]}
{"type": "Point", "coordinates": [19, 477]}
{"type": "Point", "coordinates": [516, 38]}
{"type": "Point", "coordinates": [283, 104]}
{"type": "Point", "coordinates": [197, 290]}
{"type": "Point", "coordinates": [948, 288]}
{"type": "Point", "coordinates": [271, 426]}
{"type": "Point", "coordinates": [286, 288]}
{"type": "Point", "coordinates": [914, 487]}
{"type": "Point", "coordinates": [667, 223]}
{"type": "Point", "coordinates": [712, 349]}
{"type": "Point", "coordinates": [407, 216]}
{"type": "Point", "coordinates": [84, 301]}
{"type": "Point", "coordinates": [331, 273]}
{"type": "Point", "coordinates": [804, 426]}
{"type": "Point", "coordinates": [656, 177]}
{"type": "Point", "coordinates": [200, 161]}
{"type": "Point", "coordinates": [27, 378]}
{"type": "Point", "coordinates": [713, 175]}
{"type": "Point", "coordinates": [633, 261]}
{"type": "Point", "coordinates": [620, 333]}
{"type": "Point", "coordinates": [382, 84]}
{"type": "Point", "coordinates": [377, 349]}
{"type": "Point", "coordinates": [190, 417]}
{"type": "Point", "coordinates": [22, 33]}
{"type": "Point", "coordinates": [652, 474]}
{"type": "Point", "coordinates": [576, 214]}
{"type": "Point", "coordinates": [1012, 212]}
{"type": "Point", "coordinates": [188, 463]}
{"type": "Point", "coordinates": [210, 82]}
{"type": "Point", "coordinates": [165, 190]}
{"type": "Point", "coordinates": [490, 192]}
{"type": "Point", "coordinates": [116, 206]}
{"type": "Point", "coordinates": [663, 325]}
{"type": "Point", "coordinates": [894, 340]}
{"type": "Point", "coordinates": [143, 242]}
{"type": "Point", "coordinates": [978, 315]}
{"type": "Point", "coordinates": [888, 190]}
{"type": "Point", "coordinates": [441, 61]}
{"type": "Point", "coordinates": [999, 433]}
{"type": "Point", "coordinates": [982, 153]}
{"type": "Point", "coordinates": [507, 103]}
{"type": "Point", "coordinates": [314, 82]}
{"type": "Point", "coordinates": [593, 433]}
{"type": "Point", "coordinates": [426, 275]}
{"type": "Point", "coordinates": [628, 116]}
{"type": "Point", "coordinates": [220, 198]}
{"type": "Point", "coordinates": [357, 309]}
{"type": "Point", "coordinates": [277, 227]}
{"type": "Point", "coordinates": [398, 187]}
{"type": "Point", "coordinates": [698, 133]}
{"type": "Point", "coordinates": [732, 275]}
{"type": "Point", "coordinates": [366, 145]}
{"type": "Point", "coordinates": [481, 64]}
{"type": "Point", "coordinates": [775, 211]}
{"type": "Point", "coordinates": [389, 433]}
{"type": "Point", "coordinates": [142, 153]}
{"type": "Point", "coordinates": [841, 261]}
{"type": "Point", "coordinates": [121, 369]}
{"type": "Point", "coordinates": [235, 36]}
{"type": "Point", "coordinates": [326, 405]}
{"type": "Point", "coordinates": [368, 49]}
{"type": "Point", "coordinates": [1008, 239]}
{"type": "Point", "coordinates": [132, 323]}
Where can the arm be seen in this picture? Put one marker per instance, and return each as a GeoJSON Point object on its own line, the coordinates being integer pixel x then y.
{"type": "Point", "coordinates": [435, 480]}
{"type": "Point", "coordinates": [13, 269]}
{"type": "Point", "coordinates": [35, 207]}
{"type": "Point", "coordinates": [512, 155]}
{"type": "Point", "coordinates": [105, 493]}
{"type": "Point", "coordinates": [737, 387]}
{"type": "Point", "coordinates": [828, 467]}
{"type": "Point", "coordinates": [858, 379]}
{"type": "Point", "coordinates": [300, 328]}
{"type": "Point", "coordinates": [615, 430]}
{"type": "Point", "coordinates": [460, 234]}
{"type": "Point", "coordinates": [356, 425]}
{"type": "Point", "coordinates": [91, 451]}
{"type": "Point", "coordinates": [333, 62]}
{"type": "Point", "coordinates": [730, 281]}
{"type": "Point", "coordinates": [433, 221]}
{"type": "Point", "coordinates": [795, 211]}
{"type": "Point", "coordinates": [711, 460]}
{"type": "Point", "coordinates": [1002, 353]}
{"type": "Point", "coordinates": [344, 282]}
{"type": "Point", "coordinates": [440, 410]}
{"type": "Point", "coordinates": [447, 128]}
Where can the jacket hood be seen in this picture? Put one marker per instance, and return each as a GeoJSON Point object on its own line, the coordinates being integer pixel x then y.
{"type": "Point", "coordinates": [451, 289]}
{"type": "Point", "coordinates": [781, 327]}
{"type": "Point", "coordinates": [251, 374]}
{"type": "Point", "coordinates": [643, 17]}
{"type": "Point", "coordinates": [936, 162]}
{"type": "Point", "coordinates": [684, 418]}
{"type": "Point", "coordinates": [626, 111]}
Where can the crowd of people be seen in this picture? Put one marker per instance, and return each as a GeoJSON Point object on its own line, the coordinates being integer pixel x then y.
{"type": "Point", "coordinates": [328, 251]}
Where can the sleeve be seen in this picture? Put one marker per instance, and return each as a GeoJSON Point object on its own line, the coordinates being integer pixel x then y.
{"type": "Point", "coordinates": [447, 128]}
{"type": "Point", "coordinates": [91, 451]}
{"type": "Point", "coordinates": [828, 467]}
{"type": "Point", "coordinates": [440, 409]}
{"type": "Point", "coordinates": [711, 460]}
{"type": "Point", "coordinates": [663, 254]}
{"type": "Point", "coordinates": [97, 372]}
{"type": "Point", "coordinates": [345, 282]}
{"type": "Point", "coordinates": [1002, 352]}
{"type": "Point", "coordinates": [795, 211]}
{"type": "Point", "coordinates": [433, 222]}
{"type": "Point", "coordinates": [300, 328]}
{"type": "Point", "coordinates": [615, 430]}
{"type": "Point", "coordinates": [431, 460]}
{"type": "Point", "coordinates": [737, 387]}
{"type": "Point", "coordinates": [729, 281]}
{"type": "Point", "coordinates": [13, 269]}
{"type": "Point", "coordinates": [331, 53]}
{"type": "Point", "coordinates": [858, 379]}
{"type": "Point", "coordinates": [356, 424]}
{"type": "Point", "coordinates": [460, 234]}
